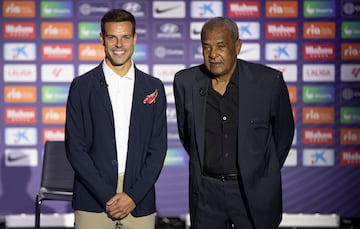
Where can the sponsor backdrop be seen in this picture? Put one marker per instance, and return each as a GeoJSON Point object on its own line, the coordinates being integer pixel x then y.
{"type": "Point", "coordinates": [45, 44]}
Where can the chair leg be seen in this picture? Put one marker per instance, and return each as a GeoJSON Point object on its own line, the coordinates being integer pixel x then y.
{"type": "Point", "coordinates": [37, 211]}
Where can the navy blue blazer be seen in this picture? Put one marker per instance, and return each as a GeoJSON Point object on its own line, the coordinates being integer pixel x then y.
{"type": "Point", "coordinates": [91, 147]}
{"type": "Point", "coordinates": [265, 133]}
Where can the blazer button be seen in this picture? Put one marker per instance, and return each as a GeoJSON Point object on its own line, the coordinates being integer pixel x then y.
{"type": "Point", "coordinates": [114, 162]}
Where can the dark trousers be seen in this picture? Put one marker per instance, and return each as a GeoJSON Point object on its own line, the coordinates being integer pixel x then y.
{"type": "Point", "coordinates": [221, 206]}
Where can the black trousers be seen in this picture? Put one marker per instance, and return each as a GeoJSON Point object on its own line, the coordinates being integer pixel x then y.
{"type": "Point", "coordinates": [221, 206]}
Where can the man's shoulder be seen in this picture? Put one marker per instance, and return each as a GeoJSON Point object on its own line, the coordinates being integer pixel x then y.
{"type": "Point", "coordinates": [89, 74]}
{"type": "Point", "coordinates": [191, 69]}
{"type": "Point", "coordinates": [146, 76]}
{"type": "Point", "coordinates": [258, 67]}
{"type": "Point", "coordinates": [187, 76]}
{"type": "Point", "coordinates": [191, 73]}
{"type": "Point", "coordinates": [85, 81]}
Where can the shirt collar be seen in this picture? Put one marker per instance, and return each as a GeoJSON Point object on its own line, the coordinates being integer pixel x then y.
{"type": "Point", "coordinates": [108, 72]}
{"type": "Point", "coordinates": [235, 77]}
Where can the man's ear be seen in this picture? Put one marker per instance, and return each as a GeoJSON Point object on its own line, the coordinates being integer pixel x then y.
{"type": "Point", "coordinates": [102, 39]}
{"type": "Point", "coordinates": [238, 45]}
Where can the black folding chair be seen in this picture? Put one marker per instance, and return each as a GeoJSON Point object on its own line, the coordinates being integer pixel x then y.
{"type": "Point", "coordinates": [56, 179]}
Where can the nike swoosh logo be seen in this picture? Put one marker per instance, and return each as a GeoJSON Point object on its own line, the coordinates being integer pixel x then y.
{"type": "Point", "coordinates": [196, 32]}
{"type": "Point", "coordinates": [11, 158]}
{"type": "Point", "coordinates": [245, 51]}
{"type": "Point", "coordinates": [160, 11]}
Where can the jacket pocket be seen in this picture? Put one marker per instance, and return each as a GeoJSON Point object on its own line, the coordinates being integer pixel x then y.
{"type": "Point", "coordinates": [259, 133]}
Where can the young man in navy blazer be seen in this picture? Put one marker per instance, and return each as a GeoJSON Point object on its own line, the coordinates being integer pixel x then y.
{"type": "Point", "coordinates": [116, 134]}
{"type": "Point", "coordinates": [235, 121]}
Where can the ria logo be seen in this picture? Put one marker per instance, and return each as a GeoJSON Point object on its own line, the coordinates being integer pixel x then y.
{"type": "Point", "coordinates": [350, 136]}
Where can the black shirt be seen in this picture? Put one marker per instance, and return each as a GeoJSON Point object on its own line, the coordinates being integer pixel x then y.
{"type": "Point", "coordinates": [221, 128]}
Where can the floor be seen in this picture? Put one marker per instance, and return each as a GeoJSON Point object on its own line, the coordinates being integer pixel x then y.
{"type": "Point", "coordinates": [345, 223]}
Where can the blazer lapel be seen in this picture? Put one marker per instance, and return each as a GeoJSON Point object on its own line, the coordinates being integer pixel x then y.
{"type": "Point", "coordinates": [199, 107]}
{"type": "Point", "coordinates": [139, 90]}
{"type": "Point", "coordinates": [137, 109]}
{"type": "Point", "coordinates": [245, 94]}
{"type": "Point", "coordinates": [101, 90]}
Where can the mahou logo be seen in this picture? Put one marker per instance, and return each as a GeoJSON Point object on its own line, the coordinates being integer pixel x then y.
{"type": "Point", "coordinates": [23, 30]}
{"type": "Point", "coordinates": [20, 115]}
{"type": "Point", "coordinates": [319, 51]}
{"type": "Point", "coordinates": [350, 157]}
{"type": "Point", "coordinates": [53, 134]}
{"type": "Point", "coordinates": [279, 30]}
{"type": "Point", "coordinates": [244, 9]}
{"type": "Point", "coordinates": [318, 136]}
{"type": "Point", "coordinates": [57, 52]}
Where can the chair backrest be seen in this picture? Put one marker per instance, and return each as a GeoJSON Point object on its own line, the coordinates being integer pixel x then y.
{"type": "Point", "coordinates": [57, 173]}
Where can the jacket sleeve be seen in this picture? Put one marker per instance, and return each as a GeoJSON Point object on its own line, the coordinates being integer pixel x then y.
{"type": "Point", "coordinates": [78, 140]}
{"type": "Point", "coordinates": [283, 120]}
{"type": "Point", "coordinates": [179, 94]}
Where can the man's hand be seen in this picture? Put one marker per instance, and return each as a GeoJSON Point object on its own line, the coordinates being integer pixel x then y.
{"type": "Point", "coordinates": [120, 206]}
